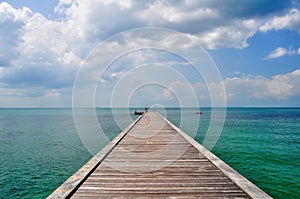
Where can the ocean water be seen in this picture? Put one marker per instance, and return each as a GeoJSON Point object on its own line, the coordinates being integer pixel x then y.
{"type": "Point", "coordinates": [40, 148]}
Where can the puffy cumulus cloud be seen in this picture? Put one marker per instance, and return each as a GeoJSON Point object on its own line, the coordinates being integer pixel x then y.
{"type": "Point", "coordinates": [164, 12]}
{"type": "Point", "coordinates": [204, 21]}
{"type": "Point", "coordinates": [11, 21]}
{"type": "Point", "coordinates": [95, 20]}
{"type": "Point", "coordinates": [280, 52]}
{"type": "Point", "coordinates": [84, 23]}
{"type": "Point", "coordinates": [39, 52]}
{"type": "Point", "coordinates": [35, 51]}
{"type": "Point", "coordinates": [174, 87]}
{"type": "Point", "coordinates": [8, 13]}
{"type": "Point", "coordinates": [244, 91]}
{"type": "Point", "coordinates": [290, 20]}
{"type": "Point", "coordinates": [234, 36]}
{"type": "Point", "coordinates": [180, 91]}
{"type": "Point", "coordinates": [280, 86]}
{"type": "Point", "coordinates": [213, 23]}
{"type": "Point", "coordinates": [241, 90]}
{"type": "Point", "coordinates": [140, 47]}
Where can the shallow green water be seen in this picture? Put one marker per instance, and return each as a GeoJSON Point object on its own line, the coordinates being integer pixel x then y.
{"type": "Point", "coordinates": [40, 148]}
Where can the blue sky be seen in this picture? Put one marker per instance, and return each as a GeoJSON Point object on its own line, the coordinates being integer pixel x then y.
{"type": "Point", "coordinates": [254, 43]}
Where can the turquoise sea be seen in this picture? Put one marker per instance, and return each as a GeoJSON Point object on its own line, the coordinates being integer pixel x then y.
{"type": "Point", "coordinates": [40, 148]}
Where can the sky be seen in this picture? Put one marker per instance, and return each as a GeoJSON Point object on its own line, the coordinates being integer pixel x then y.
{"type": "Point", "coordinates": [54, 52]}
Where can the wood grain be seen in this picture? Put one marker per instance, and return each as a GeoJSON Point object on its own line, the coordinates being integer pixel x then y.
{"type": "Point", "coordinates": [153, 160]}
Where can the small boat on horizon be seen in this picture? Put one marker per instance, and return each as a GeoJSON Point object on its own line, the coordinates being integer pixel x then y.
{"type": "Point", "coordinates": [199, 112]}
{"type": "Point", "coordinates": [138, 112]}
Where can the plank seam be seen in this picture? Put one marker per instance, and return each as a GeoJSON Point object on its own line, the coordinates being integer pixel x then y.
{"type": "Point", "coordinates": [69, 187]}
{"type": "Point", "coordinates": [248, 187]}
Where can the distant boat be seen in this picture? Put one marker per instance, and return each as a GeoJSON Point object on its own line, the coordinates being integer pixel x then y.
{"type": "Point", "coordinates": [138, 112]}
{"type": "Point", "coordinates": [199, 112]}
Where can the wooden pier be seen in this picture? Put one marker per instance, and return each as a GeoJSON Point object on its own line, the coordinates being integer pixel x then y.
{"type": "Point", "coordinates": [151, 159]}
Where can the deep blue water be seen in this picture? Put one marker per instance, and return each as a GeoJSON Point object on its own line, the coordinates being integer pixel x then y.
{"type": "Point", "coordinates": [40, 148]}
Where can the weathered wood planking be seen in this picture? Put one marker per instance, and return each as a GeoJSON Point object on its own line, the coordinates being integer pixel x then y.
{"type": "Point", "coordinates": [152, 158]}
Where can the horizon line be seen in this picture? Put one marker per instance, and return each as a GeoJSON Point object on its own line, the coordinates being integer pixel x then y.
{"type": "Point", "coordinates": [139, 107]}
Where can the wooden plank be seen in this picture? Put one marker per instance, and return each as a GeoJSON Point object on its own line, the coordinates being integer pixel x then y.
{"type": "Point", "coordinates": [156, 159]}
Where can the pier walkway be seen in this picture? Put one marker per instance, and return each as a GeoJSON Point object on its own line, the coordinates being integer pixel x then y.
{"type": "Point", "coordinates": [152, 158]}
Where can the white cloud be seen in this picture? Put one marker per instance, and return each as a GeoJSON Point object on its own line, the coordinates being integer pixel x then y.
{"type": "Point", "coordinates": [163, 12]}
{"type": "Point", "coordinates": [204, 22]}
{"type": "Point", "coordinates": [8, 13]}
{"type": "Point", "coordinates": [39, 52]}
{"type": "Point", "coordinates": [11, 22]}
{"type": "Point", "coordinates": [234, 35]}
{"type": "Point", "coordinates": [84, 23]}
{"type": "Point", "coordinates": [36, 51]}
{"type": "Point", "coordinates": [174, 87]}
{"type": "Point", "coordinates": [1, 69]}
{"type": "Point", "coordinates": [52, 93]}
{"type": "Point", "coordinates": [123, 4]}
{"type": "Point", "coordinates": [289, 20]}
{"type": "Point", "coordinates": [278, 52]}
{"type": "Point", "coordinates": [257, 87]}
{"type": "Point", "coordinates": [241, 90]}
{"type": "Point", "coordinates": [22, 97]}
